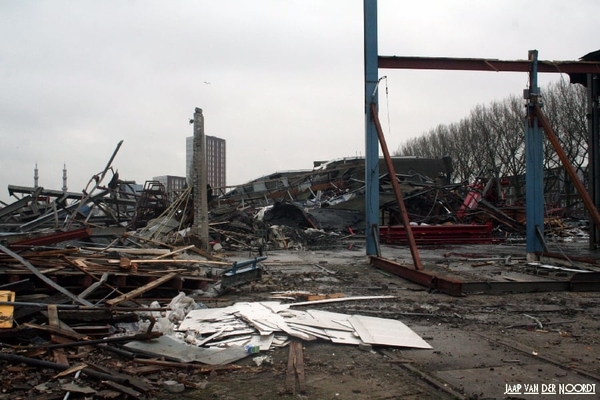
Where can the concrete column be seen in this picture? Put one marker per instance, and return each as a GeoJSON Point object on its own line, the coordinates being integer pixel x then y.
{"type": "Point", "coordinates": [200, 227]}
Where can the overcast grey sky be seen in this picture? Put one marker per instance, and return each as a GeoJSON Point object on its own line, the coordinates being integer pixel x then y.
{"type": "Point", "coordinates": [280, 80]}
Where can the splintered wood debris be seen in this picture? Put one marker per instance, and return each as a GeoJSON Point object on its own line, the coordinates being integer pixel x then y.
{"type": "Point", "coordinates": [249, 327]}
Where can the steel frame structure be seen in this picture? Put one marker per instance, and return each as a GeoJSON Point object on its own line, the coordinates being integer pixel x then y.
{"type": "Point", "coordinates": [533, 137]}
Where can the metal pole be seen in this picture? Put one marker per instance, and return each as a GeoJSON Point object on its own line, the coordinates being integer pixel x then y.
{"type": "Point", "coordinates": [593, 87]}
{"type": "Point", "coordinates": [371, 140]}
{"type": "Point", "coordinates": [534, 169]}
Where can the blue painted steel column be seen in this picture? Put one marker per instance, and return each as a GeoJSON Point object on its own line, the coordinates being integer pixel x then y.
{"type": "Point", "coordinates": [371, 140]}
{"type": "Point", "coordinates": [534, 170]}
{"type": "Point", "coordinates": [593, 87]}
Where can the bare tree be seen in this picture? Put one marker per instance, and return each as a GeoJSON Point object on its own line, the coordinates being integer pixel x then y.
{"type": "Point", "coordinates": [493, 137]}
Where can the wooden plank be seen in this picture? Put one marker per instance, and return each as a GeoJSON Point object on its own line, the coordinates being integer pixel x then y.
{"type": "Point", "coordinates": [123, 389]}
{"type": "Point", "coordinates": [313, 297]}
{"type": "Point", "coordinates": [141, 290]}
{"type": "Point", "coordinates": [59, 354]}
{"type": "Point", "coordinates": [44, 278]}
{"type": "Point", "coordinates": [180, 250]}
{"type": "Point", "coordinates": [125, 263]}
{"type": "Point", "coordinates": [299, 367]}
{"type": "Point", "coordinates": [295, 370]}
{"type": "Point", "coordinates": [290, 373]}
{"type": "Point", "coordinates": [138, 383]}
{"type": "Point", "coordinates": [57, 331]}
{"type": "Point", "coordinates": [198, 368]}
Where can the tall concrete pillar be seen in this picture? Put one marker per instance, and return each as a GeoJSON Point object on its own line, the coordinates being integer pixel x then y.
{"type": "Point", "coordinates": [200, 182]}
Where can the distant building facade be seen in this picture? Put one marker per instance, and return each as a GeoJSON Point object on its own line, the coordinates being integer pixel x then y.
{"type": "Point", "coordinates": [215, 160]}
{"type": "Point", "coordinates": [174, 185]}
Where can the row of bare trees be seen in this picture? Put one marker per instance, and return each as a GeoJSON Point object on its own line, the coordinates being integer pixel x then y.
{"type": "Point", "coordinates": [492, 137]}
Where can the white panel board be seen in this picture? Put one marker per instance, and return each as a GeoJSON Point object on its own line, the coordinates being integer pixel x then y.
{"type": "Point", "coordinates": [386, 332]}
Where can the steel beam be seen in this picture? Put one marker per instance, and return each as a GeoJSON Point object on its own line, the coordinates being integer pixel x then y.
{"type": "Point", "coordinates": [422, 277]}
{"type": "Point", "coordinates": [534, 167]}
{"type": "Point", "coordinates": [579, 282]}
{"type": "Point", "coordinates": [553, 139]}
{"type": "Point", "coordinates": [53, 238]}
{"type": "Point", "coordinates": [414, 251]}
{"type": "Point", "coordinates": [593, 87]}
{"type": "Point", "coordinates": [17, 205]}
{"type": "Point", "coordinates": [486, 64]}
{"type": "Point", "coordinates": [371, 140]}
{"type": "Point", "coordinates": [12, 189]}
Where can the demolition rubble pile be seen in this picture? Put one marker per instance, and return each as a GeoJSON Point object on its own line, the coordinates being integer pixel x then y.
{"type": "Point", "coordinates": [113, 271]}
{"type": "Point", "coordinates": [314, 209]}
{"type": "Point", "coordinates": [104, 326]}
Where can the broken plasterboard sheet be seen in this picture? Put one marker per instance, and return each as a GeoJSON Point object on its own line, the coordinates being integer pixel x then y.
{"type": "Point", "coordinates": [208, 328]}
{"type": "Point", "coordinates": [319, 319]}
{"type": "Point", "coordinates": [274, 306]}
{"type": "Point", "coordinates": [280, 340]}
{"type": "Point", "coordinates": [263, 327]}
{"type": "Point", "coordinates": [214, 336]}
{"type": "Point", "coordinates": [171, 349]}
{"type": "Point", "coordinates": [262, 313]}
{"type": "Point", "coordinates": [257, 315]}
{"type": "Point", "coordinates": [319, 333]}
{"type": "Point", "coordinates": [283, 326]}
{"type": "Point", "coordinates": [343, 337]}
{"type": "Point", "coordinates": [338, 318]}
{"type": "Point", "coordinates": [225, 356]}
{"type": "Point", "coordinates": [320, 323]}
{"type": "Point", "coordinates": [233, 340]}
{"type": "Point", "coordinates": [263, 341]}
{"type": "Point", "coordinates": [386, 332]}
{"type": "Point", "coordinates": [256, 309]}
{"type": "Point", "coordinates": [199, 320]}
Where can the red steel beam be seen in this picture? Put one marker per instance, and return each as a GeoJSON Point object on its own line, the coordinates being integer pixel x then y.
{"type": "Point", "coordinates": [390, 167]}
{"type": "Point", "coordinates": [486, 64]}
{"type": "Point", "coordinates": [53, 238]}
{"type": "Point", "coordinates": [587, 199]}
{"type": "Point", "coordinates": [580, 282]}
{"type": "Point", "coordinates": [446, 285]}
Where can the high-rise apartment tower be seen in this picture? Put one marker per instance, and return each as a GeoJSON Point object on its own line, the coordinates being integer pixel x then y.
{"type": "Point", "coordinates": [215, 160]}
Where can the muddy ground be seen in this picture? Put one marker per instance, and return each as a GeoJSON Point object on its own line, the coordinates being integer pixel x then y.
{"type": "Point", "coordinates": [484, 346]}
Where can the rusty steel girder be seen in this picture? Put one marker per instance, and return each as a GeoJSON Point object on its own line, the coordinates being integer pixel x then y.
{"type": "Point", "coordinates": [579, 282]}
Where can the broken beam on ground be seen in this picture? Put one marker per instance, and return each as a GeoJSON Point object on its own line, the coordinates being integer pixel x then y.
{"type": "Point", "coordinates": [141, 290]}
{"type": "Point", "coordinates": [53, 238]}
{"type": "Point", "coordinates": [579, 282]}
